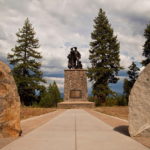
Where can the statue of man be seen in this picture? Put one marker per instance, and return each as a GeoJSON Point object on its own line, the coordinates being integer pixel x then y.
{"type": "Point", "coordinates": [74, 59]}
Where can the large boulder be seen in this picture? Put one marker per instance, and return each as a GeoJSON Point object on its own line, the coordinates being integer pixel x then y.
{"type": "Point", "coordinates": [9, 104]}
{"type": "Point", "coordinates": [139, 105]}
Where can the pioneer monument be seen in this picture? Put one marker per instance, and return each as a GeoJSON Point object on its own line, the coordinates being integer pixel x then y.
{"type": "Point", "coordinates": [75, 85]}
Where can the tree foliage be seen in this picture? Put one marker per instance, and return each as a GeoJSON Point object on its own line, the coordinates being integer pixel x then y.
{"type": "Point", "coordinates": [128, 83]}
{"type": "Point", "coordinates": [133, 72]}
{"type": "Point", "coordinates": [104, 58]}
{"type": "Point", "coordinates": [146, 50]}
{"type": "Point", "coordinates": [126, 88]}
{"type": "Point", "coordinates": [51, 96]}
{"type": "Point", "coordinates": [26, 64]}
{"type": "Point", "coordinates": [54, 92]}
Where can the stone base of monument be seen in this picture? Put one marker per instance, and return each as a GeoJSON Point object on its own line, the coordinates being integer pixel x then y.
{"type": "Point", "coordinates": [75, 104]}
{"type": "Point", "coordinates": [75, 90]}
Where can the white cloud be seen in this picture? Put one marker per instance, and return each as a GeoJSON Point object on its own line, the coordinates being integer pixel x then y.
{"type": "Point", "coordinates": [125, 61]}
{"type": "Point", "coordinates": [122, 78]}
{"type": "Point", "coordinates": [61, 80]}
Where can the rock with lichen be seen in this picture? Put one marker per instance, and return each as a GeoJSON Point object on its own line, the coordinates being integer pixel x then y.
{"type": "Point", "coordinates": [139, 105]}
{"type": "Point", "coordinates": [9, 104]}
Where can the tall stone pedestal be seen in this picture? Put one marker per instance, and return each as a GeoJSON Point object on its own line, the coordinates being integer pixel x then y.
{"type": "Point", "coordinates": [75, 90]}
{"type": "Point", "coordinates": [75, 86]}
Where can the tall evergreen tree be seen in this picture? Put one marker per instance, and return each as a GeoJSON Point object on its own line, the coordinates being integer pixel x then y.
{"type": "Point", "coordinates": [128, 83]}
{"type": "Point", "coordinates": [133, 72]}
{"type": "Point", "coordinates": [126, 88]}
{"type": "Point", "coordinates": [146, 50]}
{"type": "Point", "coordinates": [54, 92]}
{"type": "Point", "coordinates": [51, 96]}
{"type": "Point", "coordinates": [104, 58]}
{"type": "Point", "coordinates": [47, 99]}
{"type": "Point", "coordinates": [26, 64]}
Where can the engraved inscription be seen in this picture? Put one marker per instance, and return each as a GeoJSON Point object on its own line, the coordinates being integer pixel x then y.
{"type": "Point", "coordinates": [75, 94]}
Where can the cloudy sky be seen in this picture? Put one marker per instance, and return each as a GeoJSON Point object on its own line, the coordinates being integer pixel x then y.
{"type": "Point", "coordinates": [61, 24]}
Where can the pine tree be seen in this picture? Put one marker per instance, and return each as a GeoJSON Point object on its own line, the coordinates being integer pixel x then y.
{"type": "Point", "coordinates": [46, 99]}
{"type": "Point", "coordinates": [54, 92]}
{"type": "Point", "coordinates": [126, 88]}
{"type": "Point", "coordinates": [128, 83]}
{"type": "Point", "coordinates": [104, 58]}
{"type": "Point", "coordinates": [26, 64]}
{"type": "Point", "coordinates": [146, 50]}
{"type": "Point", "coordinates": [51, 96]}
{"type": "Point", "coordinates": [133, 72]}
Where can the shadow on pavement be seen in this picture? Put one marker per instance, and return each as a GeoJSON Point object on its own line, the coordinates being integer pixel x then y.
{"type": "Point", "coordinates": [122, 129]}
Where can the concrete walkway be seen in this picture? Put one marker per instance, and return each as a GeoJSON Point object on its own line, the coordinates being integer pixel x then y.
{"type": "Point", "coordinates": [74, 130]}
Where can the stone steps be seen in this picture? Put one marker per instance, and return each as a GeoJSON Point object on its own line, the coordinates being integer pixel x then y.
{"type": "Point", "coordinates": [75, 104]}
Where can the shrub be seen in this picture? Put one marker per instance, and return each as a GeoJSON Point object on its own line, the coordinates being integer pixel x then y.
{"type": "Point", "coordinates": [93, 99]}
{"type": "Point", "coordinates": [121, 100]}
{"type": "Point", "coordinates": [110, 101]}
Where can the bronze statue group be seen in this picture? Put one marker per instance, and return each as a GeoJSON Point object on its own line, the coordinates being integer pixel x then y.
{"type": "Point", "coordinates": [74, 59]}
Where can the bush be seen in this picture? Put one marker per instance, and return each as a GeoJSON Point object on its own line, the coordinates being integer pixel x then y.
{"type": "Point", "coordinates": [35, 105]}
{"type": "Point", "coordinates": [93, 99]}
{"type": "Point", "coordinates": [121, 100]}
{"type": "Point", "coordinates": [111, 101]}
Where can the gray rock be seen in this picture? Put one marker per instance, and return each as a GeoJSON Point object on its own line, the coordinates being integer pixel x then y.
{"type": "Point", "coordinates": [139, 105]}
{"type": "Point", "coordinates": [9, 104]}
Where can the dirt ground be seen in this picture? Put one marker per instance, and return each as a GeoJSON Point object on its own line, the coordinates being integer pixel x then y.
{"type": "Point", "coordinates": [120, 126]}
{"type": "Point", "coordinates": [117, 111]}
{"type": "Point", "coordinates": [28, 112]}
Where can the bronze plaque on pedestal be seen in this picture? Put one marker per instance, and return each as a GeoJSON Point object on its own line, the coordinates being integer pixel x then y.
{"type": "Point", "coordinates": [75, 94]}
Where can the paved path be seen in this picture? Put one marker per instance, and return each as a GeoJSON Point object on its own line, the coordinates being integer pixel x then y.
{"type": "Point", "coordinates": [74, 130]}
{"type": "Point", "coordinates": [30, 124]}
